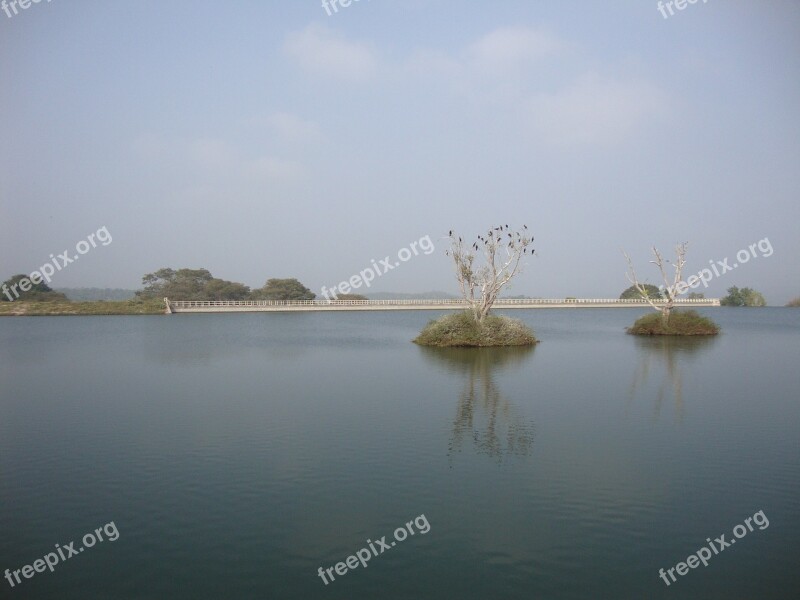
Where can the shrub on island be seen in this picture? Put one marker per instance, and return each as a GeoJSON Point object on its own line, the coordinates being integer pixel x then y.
{"type": "Point", "coordinates": [462, 329]}
{"type": "Point", "coordinates": [680, 322]}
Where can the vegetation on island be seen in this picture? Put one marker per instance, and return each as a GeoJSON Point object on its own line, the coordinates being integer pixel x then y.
{"type": "Point", "coordinates": [667, 321]}
{"type": "Point", "coordinates": [632, 293]}
{"type": "Point", "coordinates": [176, 284]}
{"type": "Point", "coordinates": [461, 329]}
{"type": "Point", "coordinates": [282, 289]}
{"type": "Point", "coordinates": [190, 284]}
{"type": "Point", "coordinates": [181, 284]}
{"type": "Point", "coordinates": [501, 251]}
{"type": "Point", "coordinates": [794, 303]}
{"type": "Point", "coordinates": [742, 297]}
{"type": "Point", "coordinates": [200, 284]}
{"type": "Point", "coordinates": [680, 322]}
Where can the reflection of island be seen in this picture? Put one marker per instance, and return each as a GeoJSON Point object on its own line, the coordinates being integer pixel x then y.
{"type": "Point", "coordinates": [669, 351]}
{"type": "Point", "coordinates": [482, 413]}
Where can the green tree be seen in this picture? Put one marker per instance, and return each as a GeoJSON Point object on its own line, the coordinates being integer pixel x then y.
{"type": "Point", "coordinates": [283, 289]}
{"type": "Point", "coordinates": [190, 284]}
{"type": "Point", "coordinates": [696, 296]}
{"type": "Point", "coordinates": [219, 289]}
{"type": "Point", "coordinates": [753, 298]}
{"type": "Point", "coordinates": [743, 297]}
{"type": "Point", "coordinates": [38, 292]}
{"type": "Point", "coordinates": [633, 294]}
{"type": "Point", "coordinates": [734, 297]}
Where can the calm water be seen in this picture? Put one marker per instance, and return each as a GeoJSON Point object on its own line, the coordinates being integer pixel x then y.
{"type": "Point", "coordinates": [237, 454]}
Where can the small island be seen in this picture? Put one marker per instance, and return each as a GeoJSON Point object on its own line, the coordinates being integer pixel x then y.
{"type": "Point", "coordinates": [679, 322]}
{"type": "Point", "coordinates": [667, 321]}
{"type": "Point", "coordinates": [461, 329]}
{"type": "Point", "coordinates": [502, 251]}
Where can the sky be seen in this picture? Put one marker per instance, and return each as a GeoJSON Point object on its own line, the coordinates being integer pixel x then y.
{"type": "Point", "coordinates": [262, 139]}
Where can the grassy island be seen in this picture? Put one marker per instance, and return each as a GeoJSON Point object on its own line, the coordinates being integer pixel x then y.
{"type": "Point", "coordinates": [679, 322]}
{"type": "Point", "coordinates": [501, 251]}
{"type": "Point", "coordinates": [461, 329]}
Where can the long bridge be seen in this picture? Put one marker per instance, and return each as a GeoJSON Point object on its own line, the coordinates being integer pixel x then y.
{"type": "Point", "coordinates": [223, 306]}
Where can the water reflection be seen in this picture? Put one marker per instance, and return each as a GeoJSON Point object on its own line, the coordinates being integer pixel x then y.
{"type": "Point", "coordinates": [494, 424]}
{"type": "Point", "coordinates": [670, 352]}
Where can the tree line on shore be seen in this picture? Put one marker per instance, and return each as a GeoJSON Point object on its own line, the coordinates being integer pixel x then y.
{"type": "Point", "coordinates": [180, 284]}
{"type": "Point", "coordinates": [736, 297]}
{"type": "Point", "coordinates": [200, 284]}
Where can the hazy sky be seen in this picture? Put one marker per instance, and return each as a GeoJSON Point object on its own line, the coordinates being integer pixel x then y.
{"type": "Point", "coordinates": [266, 139]}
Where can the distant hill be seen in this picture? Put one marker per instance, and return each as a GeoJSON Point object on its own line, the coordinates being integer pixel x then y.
{"type": "Point", "coordinates": [90, 294]}
{"type": "Point", "coordinates": [401, 296]}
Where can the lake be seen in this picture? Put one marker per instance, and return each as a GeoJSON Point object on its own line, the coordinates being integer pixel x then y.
{"type": "Point", "coordinates": [237, 454]}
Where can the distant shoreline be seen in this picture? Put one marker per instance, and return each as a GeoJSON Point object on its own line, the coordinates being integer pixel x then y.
{"type": "Point", "coordinates": [22, 308]}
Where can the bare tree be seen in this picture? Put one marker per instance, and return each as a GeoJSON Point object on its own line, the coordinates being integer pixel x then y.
{"type": "Point", "coordinates": [502, 251]}
{"type": "Point", "coordinates": [671, 289]}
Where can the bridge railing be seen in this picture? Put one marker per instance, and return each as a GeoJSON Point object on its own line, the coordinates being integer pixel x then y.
{"type": "Point", "coordinates": [438, 302]}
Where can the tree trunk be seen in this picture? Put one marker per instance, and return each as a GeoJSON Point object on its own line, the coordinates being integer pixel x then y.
{"type": "Point", "coordinates": [477, 313]}
{"type": "Point", "coordinates": [486, 305]}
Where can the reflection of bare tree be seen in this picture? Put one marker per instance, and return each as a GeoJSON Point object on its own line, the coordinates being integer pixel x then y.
{"type": "Point", "coordinates": [482, 413]}
{"type": "Point", "coordinates": [669, 351]}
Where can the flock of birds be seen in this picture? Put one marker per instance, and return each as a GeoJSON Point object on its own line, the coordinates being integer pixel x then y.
{"type": "Point", "coordinates": [496, 238]}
